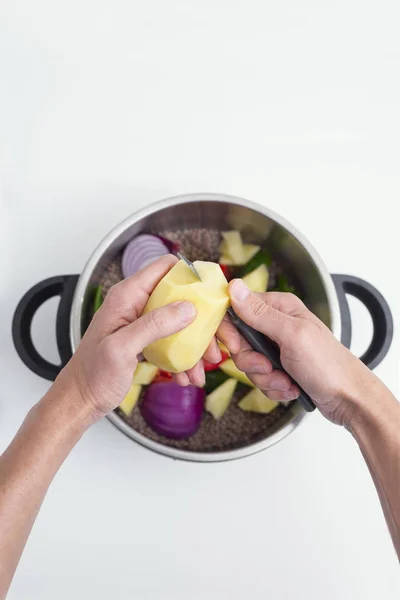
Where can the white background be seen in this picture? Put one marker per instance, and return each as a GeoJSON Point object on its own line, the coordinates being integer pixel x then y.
{"type": "Point", "coordinates": [107, 106]}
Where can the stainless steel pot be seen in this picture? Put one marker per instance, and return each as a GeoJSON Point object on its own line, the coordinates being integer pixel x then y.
{"type": "Point", "coordinates": [324, 294]}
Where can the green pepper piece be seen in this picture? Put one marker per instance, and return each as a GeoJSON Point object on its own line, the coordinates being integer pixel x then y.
{"type": "Point", "coordinates": [98, 299]}
{"type": "Point", "coordinates": [283, 285]}
{"type": "Point", "coordinates": [261, 258]}
{"type": "Point", "coordinates": [214, 379]}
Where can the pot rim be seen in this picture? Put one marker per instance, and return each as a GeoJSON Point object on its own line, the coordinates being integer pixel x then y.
{"type": "Point", "coordinates": [75, 320]}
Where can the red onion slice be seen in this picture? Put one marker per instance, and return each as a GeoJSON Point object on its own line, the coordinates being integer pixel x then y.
{"type": "Point", "coordinates": [172, 410]}
{"type": "Point", "coordinates": [173, 247]}
{"type": "Point", "coordinates": [140, 252]}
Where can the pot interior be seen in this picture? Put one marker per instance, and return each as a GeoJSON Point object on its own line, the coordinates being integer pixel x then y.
{"type": "Point", "coordinates": [197, 224]}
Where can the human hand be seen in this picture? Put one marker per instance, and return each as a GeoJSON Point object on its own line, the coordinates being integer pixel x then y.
{"type": "Point", "coordinates": [100, 372]}
{"type": "Point", "coordinates": [310, 353]}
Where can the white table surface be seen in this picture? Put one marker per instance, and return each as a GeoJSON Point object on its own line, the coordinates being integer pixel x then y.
{"type": "Point", "coordinates": [107, 106]}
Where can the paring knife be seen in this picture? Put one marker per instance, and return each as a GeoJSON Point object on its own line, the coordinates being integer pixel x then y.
{"type": "Point", "coordinates": [260, 343]}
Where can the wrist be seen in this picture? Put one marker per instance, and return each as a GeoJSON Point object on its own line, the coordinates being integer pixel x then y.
{"type": "Point", "coordinates": [370, 404]}
{"type": "Point", "coordinates": [64, 402]}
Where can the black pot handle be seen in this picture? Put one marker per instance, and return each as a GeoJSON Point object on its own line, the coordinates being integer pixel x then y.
{"type": "Point", "coordinates": [377, 307]}
{"type": "Point", "coordinates": [63, 286]}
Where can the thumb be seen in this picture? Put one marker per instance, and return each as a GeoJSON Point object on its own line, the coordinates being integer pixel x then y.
{"type": "Point", "coordinates": [257, 313]}
{"type": "Point", "coordinates": [153, 326]}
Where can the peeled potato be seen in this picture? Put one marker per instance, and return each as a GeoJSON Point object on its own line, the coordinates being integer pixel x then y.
{"type": "Point", "coordinates": [181, 351]}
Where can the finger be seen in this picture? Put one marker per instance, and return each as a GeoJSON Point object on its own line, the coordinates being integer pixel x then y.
{"type": "Point", "coordinates": [229, 335]}
{"type": "Point", "coordinates": [285, 302]}
{"type": "Point", "coordinates": [196, 375]}
{"type": "Point", "coordinates": [254, 310]}
{"type": "Point", "coordinates": [250, 361]}
{"type": "Point", "coordinates": [181, 379]}
{"type": "Point", "coordinates": [126, 300]}
{"type": "Point", "coordinates": [245, 358]}
{"type": "Point", "coordinates": [280, 396]}
{"type": "Point", "coordinates": [275, 385]}
{"type": "Point", "coordinates": [213, 353]}
{"type": "Point", "coordinates": [289, 304]}
{"type": "Point", "coordinates": [275, 380]}
{"type": "Point", "coordinates": [129, 341]}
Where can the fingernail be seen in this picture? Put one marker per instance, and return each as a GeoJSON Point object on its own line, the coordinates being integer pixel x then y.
{"type": "Point", "coordinates": [260, 369]}
{"type": "Point", "coordinates": [276, 383]}
{"type": "Point", "coordinates": [201, 381]}
{"type": "Point", "coordinates": [187, 310]}
{"type": "Point", "coordinates": [291, 394]}
{"type": "Point", "coordinates": [239, 291]}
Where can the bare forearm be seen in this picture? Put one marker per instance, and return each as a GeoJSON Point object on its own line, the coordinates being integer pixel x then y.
{"type": "Point", "coordinates": [27, 467]}
{"type": "Point", "coordinates": [376, 428]}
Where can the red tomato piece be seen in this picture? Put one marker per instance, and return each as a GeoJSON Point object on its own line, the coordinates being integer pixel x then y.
{"type": "Point", "coordinates": [162, 376]}
{"type": "Point", "coordinates": [226, 271]}
{"type": "Point", "coordinates": [209, 366]}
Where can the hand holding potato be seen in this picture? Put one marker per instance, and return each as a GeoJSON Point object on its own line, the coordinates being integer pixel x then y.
{"type": "Point", "coordinates": [101, 369]}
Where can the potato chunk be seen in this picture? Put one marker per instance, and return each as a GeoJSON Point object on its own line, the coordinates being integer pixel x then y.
{"type": "Point", "coordinates": [129, 402]}
{"type": "Point", "coordinates": [144, 373]}
{"type": "Point", "coordinates": [256, 401]}
{"type": "Point", "coordinates": [218, 401]}
{"type": "Point", "coordinates": [231, 369]}
{"type": "Point", "coordinates": [257, 280]}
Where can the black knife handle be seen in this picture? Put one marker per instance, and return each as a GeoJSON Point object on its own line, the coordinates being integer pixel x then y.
{"type": "Point", "coordinates": [260, 343]}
